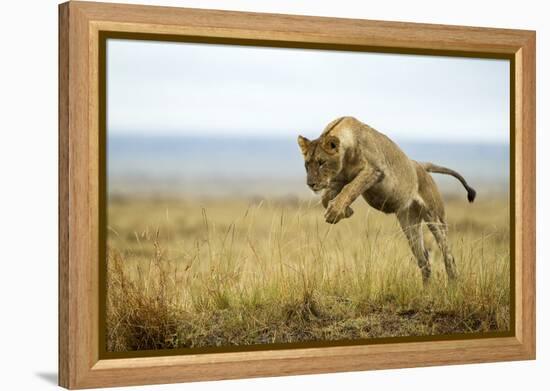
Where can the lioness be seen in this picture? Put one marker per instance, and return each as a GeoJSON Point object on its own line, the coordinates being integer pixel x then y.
{"type": "Point", "coordinates": [350, 159]}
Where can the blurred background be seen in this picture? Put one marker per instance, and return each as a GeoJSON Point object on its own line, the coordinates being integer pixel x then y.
{"type": "Point", "coordinates": [215, 120]}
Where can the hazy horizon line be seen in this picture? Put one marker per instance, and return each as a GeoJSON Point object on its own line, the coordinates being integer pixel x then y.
{"type": "Point", "coordinates": [287, 136]}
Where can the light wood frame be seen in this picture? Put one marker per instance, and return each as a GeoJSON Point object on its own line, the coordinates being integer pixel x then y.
{"type": "Point", "coordinates": [80, 24]}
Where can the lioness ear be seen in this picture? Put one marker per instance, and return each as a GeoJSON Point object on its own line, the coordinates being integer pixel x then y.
{"type": "Point", "coordinates": [304, 144]}
{"type": "Point", "coordinates": [331, 144]}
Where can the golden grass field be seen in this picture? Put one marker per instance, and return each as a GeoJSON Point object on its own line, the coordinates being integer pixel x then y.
{"type": "Point", "coordinates": [222, 272]}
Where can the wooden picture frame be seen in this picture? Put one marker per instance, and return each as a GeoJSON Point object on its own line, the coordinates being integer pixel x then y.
{"type": "Point", "coordinates": [81, 160]}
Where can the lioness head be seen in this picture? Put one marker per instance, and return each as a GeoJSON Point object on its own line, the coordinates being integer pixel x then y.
{"type": "Point", "coordinates": [322, 160]}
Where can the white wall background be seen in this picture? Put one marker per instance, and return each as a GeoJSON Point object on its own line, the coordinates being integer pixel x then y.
{"type": "Point", "coordinates": [28, 225]}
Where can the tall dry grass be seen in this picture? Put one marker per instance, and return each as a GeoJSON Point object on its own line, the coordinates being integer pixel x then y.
{"type": "Point", "coordinates": [196, 273]}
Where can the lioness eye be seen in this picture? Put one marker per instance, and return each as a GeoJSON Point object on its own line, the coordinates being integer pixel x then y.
{"type": "Point", "coordinates": [321, 162]}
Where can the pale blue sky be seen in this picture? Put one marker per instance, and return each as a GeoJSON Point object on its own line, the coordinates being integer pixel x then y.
{"type": "Point", "coordinates": [199, 89]}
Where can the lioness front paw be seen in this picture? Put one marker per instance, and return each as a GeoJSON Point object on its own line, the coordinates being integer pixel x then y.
{"type": "Point", "coordinates": [335, 212]}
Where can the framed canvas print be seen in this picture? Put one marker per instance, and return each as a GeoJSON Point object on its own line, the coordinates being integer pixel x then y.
{"type": "Point", "coordinates": [248, 195]}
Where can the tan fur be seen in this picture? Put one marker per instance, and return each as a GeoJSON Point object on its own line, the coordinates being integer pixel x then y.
{"type": "Point", "coordinates": [351, 159]}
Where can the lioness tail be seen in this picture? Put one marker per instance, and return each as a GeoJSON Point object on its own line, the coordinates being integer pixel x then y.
{"type": "Point", "coordinates": [430, 167]}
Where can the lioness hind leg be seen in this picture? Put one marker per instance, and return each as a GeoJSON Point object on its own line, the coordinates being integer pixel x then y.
{"type": "Point", "coordinates": [411, 224]}
{"type": "Point", "coordinates": [438, 227]}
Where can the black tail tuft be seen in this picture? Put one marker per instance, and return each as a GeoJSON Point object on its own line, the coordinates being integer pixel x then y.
{"type": "Point", "coordinates": [471, 194]}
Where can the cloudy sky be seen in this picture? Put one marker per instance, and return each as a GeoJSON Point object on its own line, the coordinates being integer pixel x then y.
{"type": "Point", "coordinates": [198, 89]}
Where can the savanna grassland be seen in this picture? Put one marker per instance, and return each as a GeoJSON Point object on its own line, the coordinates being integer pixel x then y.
{"type": "Point", "coordinates": [186, 272]}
